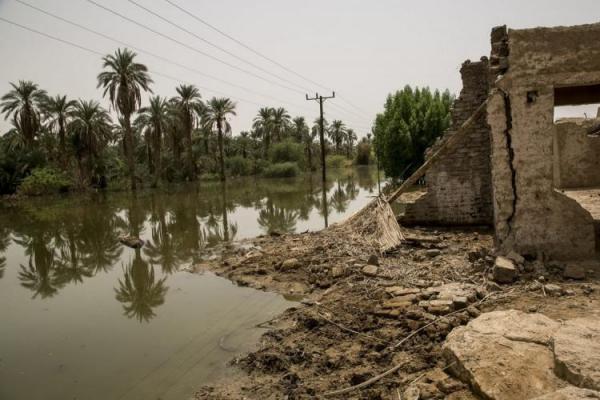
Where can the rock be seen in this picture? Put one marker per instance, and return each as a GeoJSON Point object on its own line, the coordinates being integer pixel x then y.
{"type": "Point", "coordinates": [515, 257]}
{"type": "Point", "coordinates": [373, 260]}
{"type": "Point", "coordinates": [400, 301]}
{"type": "Point", "coordinates": [576, 346]}
{"type": "Point", "coordinates": [460, 302]}
{"type": "Point", "coordinates": [500, 356]}
{"type": "Point", "coordinates": [338, 271]}
{"type": "Point", "coordinates": [290, 264]}
{"type": "Point", "coordinates": [504, 270]}
{"type": "Point", "coordinates": [570, 393]}
{"type": "Point", "coordinates": [431, 253]}
{"type": "Point", "coordinates": [574, 272]}
{"type": "Point", "coordinates": [131, 241]}
{"type": "Point", "coordinates": [552, 289]}
{"type": "Point", "coordinates": [440, 307]}
{"type": "Point", "coordinates": [370, 270]}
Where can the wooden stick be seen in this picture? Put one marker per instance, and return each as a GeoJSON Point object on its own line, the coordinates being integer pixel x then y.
{"type": "Point", "coordinates": [450, 142]}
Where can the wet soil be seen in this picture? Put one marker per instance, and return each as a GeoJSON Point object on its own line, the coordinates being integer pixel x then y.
{"type": "Point", "coordinates": [356, 323]}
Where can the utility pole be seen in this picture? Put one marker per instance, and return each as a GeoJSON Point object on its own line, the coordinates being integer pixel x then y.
{"type": "Point", "coordinates": [321, 99]}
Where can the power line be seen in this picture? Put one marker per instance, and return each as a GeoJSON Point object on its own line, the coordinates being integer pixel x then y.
{"type": "Point", "coordinates": [191, 69]}
{"type": "Point", "coordinates": [247, 47]}
{"type": "Point", "coordinates": [190, 47]}
{"type": "Point", "coordinates": [212, 44]}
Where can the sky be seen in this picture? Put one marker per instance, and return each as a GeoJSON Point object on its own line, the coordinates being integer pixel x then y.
{"type": "Point", "coordinates": [363, 50]}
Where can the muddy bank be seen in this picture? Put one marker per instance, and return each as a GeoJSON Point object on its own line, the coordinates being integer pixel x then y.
{"type": "Point", "coordinates": [372, 325]}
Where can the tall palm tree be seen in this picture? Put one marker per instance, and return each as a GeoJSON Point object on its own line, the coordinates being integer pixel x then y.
{"type": "Point", "coordinates": [300, 129]}
{"type": "Point", "coordinates": [244, 138]}
{"type": "Point", "coordinates": [190, 107]}
{"type": "Point", "coordinates": [22, 105]}
{"type": "Point", "coordinates": [90, 130]}
{"type": "Point", "coordinates": [308, 138]}
{"type": "Point", "coordinates": [215, 116]}
{"type": "Point", "coordinates": [123, 81]}
{"type": "Point", "coordinates": [156, 118]}
{"type": "Point", "coordinates": [263, 124]}
{"type": "Point", "coordinates": [56, 112]}
{"type": "Point", "coordinates": [281, 120]}
{"type": "Point", "coordinates": [336, 132]}
{"type": "Point", "coordinates": [350, 137]}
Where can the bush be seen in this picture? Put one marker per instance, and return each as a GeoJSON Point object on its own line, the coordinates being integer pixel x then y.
{"type": "Point", "coordinates": [363, 154]}
{"type": "Point", "coordinates": [281, 170]}
{"type": "Point", "coordinates": [238, 166]}
{"type": "Point", "coordinates": [44, 181]}
{"type": "Point", "coordinates": [288, 152]}
{"type": "Point", "coordinates": [336, 161]}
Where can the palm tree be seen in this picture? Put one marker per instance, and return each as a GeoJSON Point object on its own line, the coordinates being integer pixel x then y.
{"type": "Point", "coordinates": [244, 137]}
{"type": "Point", "coordinates": [308, 138]}
{"type": "Point", "coordinates": [350, 138]}
{"type": "Point", "coordinates": [190, 107]}
{"type": "Point", "coordinates": [336, 132]}
{"type": "Point", "coordinates": [90, 130]}
{"type": "Point", "coordinates": [56, 111]}
{"type": "Point", "coordinates": [215, 116]}
{"type": "Point", "coordinates": [155, 118]}
{"type": "Point", "coordinates": [262, 124]}
{"type": "Point", "coordinates": [300, 129]}
{"type": "Point", "coordinates": [22, 104]}
{"type": "Point", "coordinates": [281, 120]}
{"type": "Point", "coordinates": [123, 81]}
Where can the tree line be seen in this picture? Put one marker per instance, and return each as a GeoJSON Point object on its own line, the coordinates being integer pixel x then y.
{"type": "Point", "coordinates": [57, 142]}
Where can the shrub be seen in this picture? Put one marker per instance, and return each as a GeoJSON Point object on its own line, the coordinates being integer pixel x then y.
{"type": "Point", "coordinates": [363, 154]}
{"type": "Point", "coordinates": [336, 161]}
{"type": "Point", "coordinates": [288, 152]}
{"type": "Point", "coordinates": [238, 166]}
{"type": "Point", "coordinates": [281, 170]}
{"type": "Point", "coordinates": [44, 181]}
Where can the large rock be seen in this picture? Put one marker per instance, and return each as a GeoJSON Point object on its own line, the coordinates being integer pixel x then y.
{"type": "Point", "coordinates": [502, 355]}
{"type": "Point", "coordinates": [571, 393]}
{"type": "Point", "coordinates": [576, 347]}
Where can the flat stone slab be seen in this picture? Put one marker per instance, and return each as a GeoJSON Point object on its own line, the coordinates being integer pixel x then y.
{"type": "Point", "coordinates": [516, 325]}
{"type": "Point", "coordinates": [571, 393]}
{"type": "Point", "coordinates": [576, 346]}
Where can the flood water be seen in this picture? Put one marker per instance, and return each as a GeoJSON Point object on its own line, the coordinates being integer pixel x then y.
{"type": "Point", "coordinates": [83, 317]}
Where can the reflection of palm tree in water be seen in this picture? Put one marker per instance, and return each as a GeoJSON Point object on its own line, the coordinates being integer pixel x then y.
{"type": "Point", "coordinates": [213, 232]}
{"type": "Point", "coordinates": [339, 200]}
{"type": "Point", "coordinates": [4, 242]}
{"type": "Point", "coordinates": [161, 249]}
{"type": "Point", "coordinates": [40, 275]}
{"type": "Point", "coordinates": [277, 219]}
{"type": "Point", "coordinates": [139, 290]}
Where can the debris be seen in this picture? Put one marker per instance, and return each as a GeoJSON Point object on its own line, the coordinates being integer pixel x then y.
{"type": "Point", "coordinates": [373, 260]}
{"type": "Point", "coordinates": [290, 264]}
{"type": "Point", "coordinates": [338, 271]}
{"type": "Point", "coordinates": [370, 270]}
{"type": "Point", "coordinates": [515, 257]}
{"type": "Point", "coordinates": [431, 253]}
{"type": "Point", "coordinates": [504, 270]}
{"type": "Point", "coordinates": [573, 271]}
{"type": "Point", "coordinates": [570, 393]}
{"type": "Point", "coordinates": [552, 289]}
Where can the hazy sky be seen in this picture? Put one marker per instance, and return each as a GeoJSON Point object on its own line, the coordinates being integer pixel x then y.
{"type": "Point", "coordinates": [361, 49]}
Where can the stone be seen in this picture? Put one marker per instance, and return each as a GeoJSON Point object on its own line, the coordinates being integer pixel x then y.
{"type": "Point", "coordinates": [504, 270]}
{"type": "Point", "coordinates": [431, 253]}
{"type": "Point", "coordinates": [574, 272]}
{"type": "Point", "coordinates": [570, 393]}
{"type": "Point", "coordinates": [373, 260]}
{"type": "Point", "coordinates": [500, 355]}
{"type": "Point", "coordinates": [338, 271]}
{"type": "Point", "coordinates": [399, 302]}
{"type": "Point", "coordinates": [552, 289]}
{"type": "Point", "coordinates": [440, 307]}
{"type": "Point", "coordinates": [515, 257]}
{"type": "Point", "coordinates": [131, 241]}
{"type": "Point", "coordinates": [370, 270]}
{"type": "Point", "coordinates": [290, 264]}
{"type": "Point", "coordinates": [576, 346]}
{"type": "Point", "coordinates": [460, 302]}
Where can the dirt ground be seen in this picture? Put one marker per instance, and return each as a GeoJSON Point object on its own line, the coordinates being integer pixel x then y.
{"type": "Point", "coordinates": [376, 332]}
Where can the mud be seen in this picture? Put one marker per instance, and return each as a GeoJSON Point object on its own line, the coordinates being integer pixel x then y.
{"type": "Point", "coordinates": [355, 324]}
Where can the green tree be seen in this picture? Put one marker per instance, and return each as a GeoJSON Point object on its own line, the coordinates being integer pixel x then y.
{"type": "Point", "coordinates": [56, 111]}
{"type": "Point", "coordinates": [123, 81]}
{"type": "Point", "coordinates": [350, 137]}
{"type": "Point", "coordinates": [155, 117]}
{"type": "Point", "coordinates": [280, 122]}
{"type": "Point", "coordinates": [22, 104]}
{"type": "Point", "coordinates": [90, 131]}
{"type": "Point", "coordinates": [410, 123]}
{"type": "Point", "coordinates": [190, 108]}
{"type": "Point", "coordinates": [263, 125]}
{"type": "Point", "coordinates": [215, 116]}
{"type": "Point", "coordinates": [336, 133]}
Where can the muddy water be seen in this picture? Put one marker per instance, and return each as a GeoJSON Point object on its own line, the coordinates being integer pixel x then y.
{"type": "Point", "coordinates": [83, 317]}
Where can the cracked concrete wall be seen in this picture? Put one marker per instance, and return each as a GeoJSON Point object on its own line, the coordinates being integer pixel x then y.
{"type": "Point", "coordinates": [530, 217]}
{"type": "Point", "coordinates": [459, 184]}
{"type": "Point", "coordinates": [576, 154]}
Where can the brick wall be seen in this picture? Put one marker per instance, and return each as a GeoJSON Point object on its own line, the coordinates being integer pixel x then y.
{"type": "Point", "coordinates": [459, 184]}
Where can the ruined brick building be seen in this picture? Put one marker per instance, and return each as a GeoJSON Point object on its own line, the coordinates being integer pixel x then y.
{"type": "Point", "coordinates": [534, 179]}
